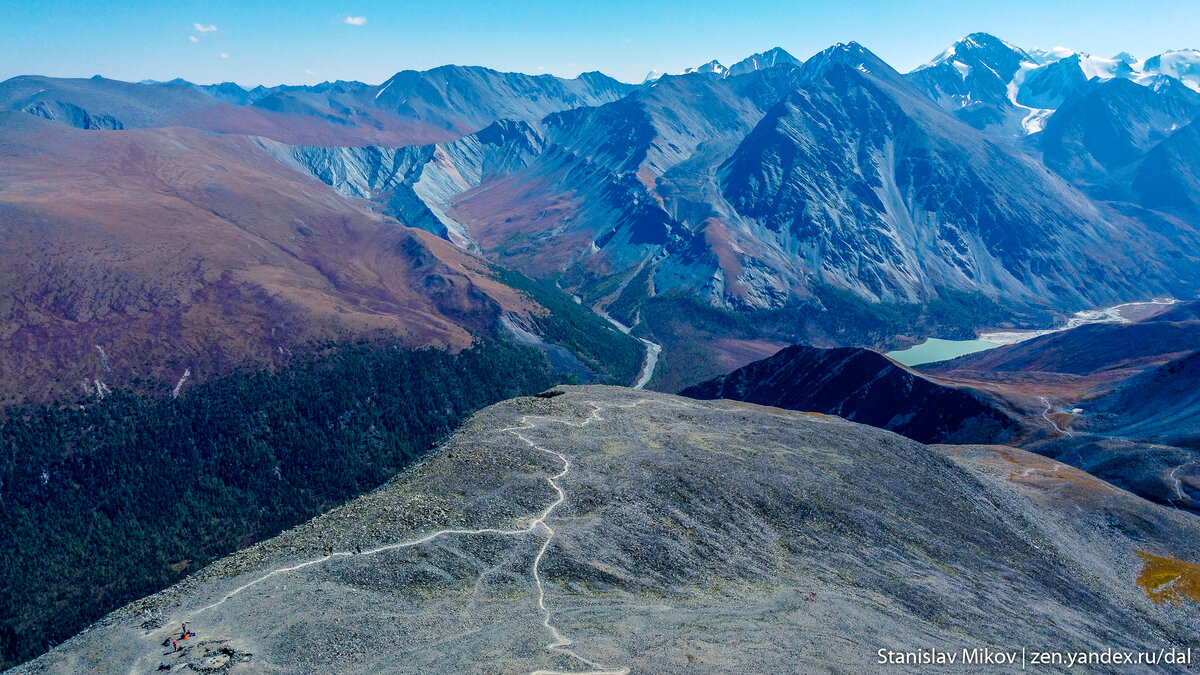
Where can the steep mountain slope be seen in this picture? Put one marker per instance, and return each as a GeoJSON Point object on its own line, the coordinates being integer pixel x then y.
{"type": "Point", "coordinates": [866, 387]}
{"type": "Point", "coordinates": [1160, 405]}
{"type": "Point", "coordinates": [617, 531]}
{"type": "Point", "coordinates": [1049, 86]}
{"type": "Point", "coordinates": [771, 192]}
{"type": "Point", "coordinates": [1112, 124]}
{"type": "Point", "coordinates": [140, 255]}
{"type": "Point", "coordinates": [602, 172]}
{"type": "Point", "coordinates": [752, 190]}
{"type": "Point", "coordinates": [972, 80]}
{"type": "Point", "coordinates": [1168, 178]}
{"type": "Point", "coordinates": [875, 189]}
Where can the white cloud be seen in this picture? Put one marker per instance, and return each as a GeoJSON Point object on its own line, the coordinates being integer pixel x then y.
{"type": "Point", "coordinates": [311, 73]}
{"type": "Point", "coordinates": [356, 20]}
{"type": "Point", "coordinates": [193, 38]}
{"type": "Point", "coordinates": [201, 28]}
{"type": "Point", "coordinates": [223, 55]}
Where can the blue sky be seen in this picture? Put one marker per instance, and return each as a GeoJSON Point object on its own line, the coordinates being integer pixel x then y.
{"type": "Point", "coordinates": [307, 42]}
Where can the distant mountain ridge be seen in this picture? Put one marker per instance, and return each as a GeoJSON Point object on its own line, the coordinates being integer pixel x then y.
{"type": "Point", "coordinates": [734, 182]}
{"type": "Point", "coordinates": [412, 106]}
{"type": "Point", "coordinates": [991, 83]}
{"type": "Point", "coordinates": [760, 188]}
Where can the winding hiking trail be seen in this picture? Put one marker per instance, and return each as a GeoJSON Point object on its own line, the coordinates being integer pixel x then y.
{"type": "Point", "coordinates": [559, 642]}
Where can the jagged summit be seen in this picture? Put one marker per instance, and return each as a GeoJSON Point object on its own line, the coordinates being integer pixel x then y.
{"type": "Point", "coordinates": [978, 49]}
{"type": "Point", "coordinates": [771, 58]}
{"type": "Point", "coordinates": [712, 67]}
{"type": "Point", "coordinates": [850, 54]}
{"type": "Point", "coordinates": [992, 84]}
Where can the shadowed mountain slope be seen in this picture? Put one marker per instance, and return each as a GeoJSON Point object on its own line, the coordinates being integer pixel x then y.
{"type": "Point", "coordinates": [1161, 404]}
{"type": "Point", "coordinates": [866, 387]}
{"type": "Point", "coordinates": [1112, 124]}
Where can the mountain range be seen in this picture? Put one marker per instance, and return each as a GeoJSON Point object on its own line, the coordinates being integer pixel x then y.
{"type": "Point", "coordinates": [765, 189]}
{"type": "Point", "coordinates": [227, 310]}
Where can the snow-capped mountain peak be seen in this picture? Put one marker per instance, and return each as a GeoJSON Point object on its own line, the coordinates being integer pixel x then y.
{"type": "Point", "coordinates": [990, 83]}
{"type": "Point", "coordinates": [980, 49]}
{"type": "Point", "coordinates": [653, 76]}
{"type": "Point", "coordinates": [768, 59]}
{"type": "Point", "coordinates": [1044, 57]}
{"type": "Point", "coordinates": [1183, 65]}
{"type": "Point", "coordinates": [713, 66]}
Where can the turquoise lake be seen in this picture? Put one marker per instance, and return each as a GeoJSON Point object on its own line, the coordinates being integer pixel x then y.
{"type": "Point", "coordinates": [935, 349]}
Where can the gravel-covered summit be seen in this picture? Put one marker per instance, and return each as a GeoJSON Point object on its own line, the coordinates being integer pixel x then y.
{"type": "Point", "coordinates": [609, 530]}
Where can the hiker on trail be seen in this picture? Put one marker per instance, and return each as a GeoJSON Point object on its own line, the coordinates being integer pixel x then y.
{"type": "Point", "coordinates": [358, 548]}
{"type": "Point", "coordinates": [167, 642]}
{"type": "Point", "coordinates": [164, 666]}
{"type": "Point", "coordinates": [174, 646]}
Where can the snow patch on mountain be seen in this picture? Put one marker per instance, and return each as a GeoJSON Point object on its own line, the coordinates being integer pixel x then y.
{"type": "Point", "coordinates": [713, 67]}
{"type": "Point", "coordinates": [974, 77]}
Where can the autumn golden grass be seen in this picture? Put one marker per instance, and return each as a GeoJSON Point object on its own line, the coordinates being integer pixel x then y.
{"type": "Point", "coordinates": [1167, 579]}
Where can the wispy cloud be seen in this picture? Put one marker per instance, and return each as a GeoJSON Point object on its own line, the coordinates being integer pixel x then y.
{"type": "Point", "coordinates": [223, 55]}
{"type": "Point", "coordinates": [201, 28]}
{"type": "Point", "coordinates": [356, 20]}
{"type": "Point", "coordinates": [310, 73]}
{"type": "Point", "coordinates": [193, 38]}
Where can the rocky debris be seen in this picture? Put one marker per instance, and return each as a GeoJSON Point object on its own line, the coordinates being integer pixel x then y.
{"type": "Point", "coordinates": [713, 536]}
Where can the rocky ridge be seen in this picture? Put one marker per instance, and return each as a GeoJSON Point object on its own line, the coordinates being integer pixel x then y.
{"type": "Point", "coordinates": [603, 530]}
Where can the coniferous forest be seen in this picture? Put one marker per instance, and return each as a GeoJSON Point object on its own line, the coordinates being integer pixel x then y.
{"type": "Point", "coordinates": [106, 501]}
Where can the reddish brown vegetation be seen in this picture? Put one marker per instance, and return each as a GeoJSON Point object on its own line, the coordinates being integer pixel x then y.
{"type": "Point", "coordinates": [173, 249]}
